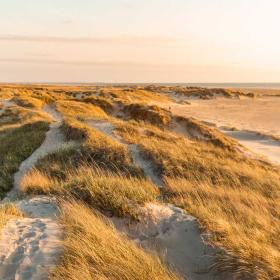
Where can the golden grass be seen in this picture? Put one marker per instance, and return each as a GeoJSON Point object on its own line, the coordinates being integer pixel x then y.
{"type": "Point", "coordinates": [93, 249]}
{"type": "Point", "coordinates": [205, 93]}
{"type": "Point", "coordinates": [28, 101]}
{"type": "Point", "coordinates": [105, 104]}
{"type": "Point", "coordinates": [7, 212]}
{"type": "Point", "coordinates": [106, 191]}
{"type": "Point", "coordinates": [5, 93]}
{"type": "Point", "coordinates": [132, 94]}
{"type": "Point", "coordinates": [241, 219]}
{"type": "Point", "coordinates": [16, 116]}
{"type": "Point", "coordinates": [152, 114]}
{"type": "Point", "coordinates": [235, 198]}
{"type": "Point", "coordinates": [200, 131]}
{"type": "Point", "coordinates": [80, 110]}
{"type": "Point", "coordinates": [100, 148]}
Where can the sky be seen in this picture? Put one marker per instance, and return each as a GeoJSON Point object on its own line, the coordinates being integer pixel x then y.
{"type": "Point", "coordinates": [140, 41]}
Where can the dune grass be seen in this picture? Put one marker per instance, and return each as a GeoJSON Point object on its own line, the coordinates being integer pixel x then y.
{"type": "Point", "coordinates": [243, 220]}
{"type": "Point", "coordinates": [199, 131]}
{"type": "Point", "coordinates": [16, 145]}
{"type": "Point", "coordinates": [234, 197]}
{"type": "Point", "coordinates": [93, 249]}
{"type": "Point", "coordinates": [104, 103]}
{"type": "Point", "coordinates": [21, 132]}
{"type": "Point", "coordinates": [132, 94]}
{"type": "Point", "coordinates": [28, 101]}
{"type": "Point", "coordinates": [80, 110]}
{"type": "Point", "coordinates": [109, 192]}
{"type": "Point", "coordinates": [7, 212]}
{"type": "Point", "coordinates": [16, 116]}
{"type": "Point", "coordinates": [151, 114]}
{"type": "Point", "coordinates": [99, 148]}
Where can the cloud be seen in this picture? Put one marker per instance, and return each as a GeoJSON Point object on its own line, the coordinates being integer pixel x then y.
{"type": "Point", "coordinates": [97, 40]}
{"type": "Point", "coordinates": [76, 62]}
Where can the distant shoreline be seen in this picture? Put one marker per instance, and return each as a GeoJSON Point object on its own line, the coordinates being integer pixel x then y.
{"type": "Point", "coordinates": [210, 85]}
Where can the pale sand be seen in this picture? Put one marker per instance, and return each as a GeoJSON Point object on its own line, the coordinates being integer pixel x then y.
{"type": "Point", "coordinates": [30, 246]}
{"type": "Point", "coordinates": [5, 104]}
{"type": "Point", "coordinates": [259, 115]}
{"type": "Point", "coordinates": [166, 228]}
{"type": "Point", "coordinates": [267, 147]}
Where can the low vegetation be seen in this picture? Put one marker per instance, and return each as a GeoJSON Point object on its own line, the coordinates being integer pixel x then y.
{"type": "Point", "coordinates": [80, 110]}
{"type": "Point", "coordinates": [30, 136]}
{"type": "Point", "coordinates": [7, 212]}
{"type": "Point", "coordinates": [106, 191]}
{"type": "Point", "coordinates": [97, 147]}
{"type": "Point", "coordinates": [198, 131]}
{"type": "Point", "coordinates": [104, 103]}
{"type": "Point", "coordinates": [152, 114]}
{"type": "Point", "coordinates": [95, 250]}
{"type": "Point", "coordinates": [241, 219]}
{"type": "Point", "coordinates": [28, 101]}
{"type": "Point", "coordinates": [235, 198]}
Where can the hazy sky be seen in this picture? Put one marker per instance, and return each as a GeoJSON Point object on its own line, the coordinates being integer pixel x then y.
{"type": "Point", "coordinates": [140, 40]}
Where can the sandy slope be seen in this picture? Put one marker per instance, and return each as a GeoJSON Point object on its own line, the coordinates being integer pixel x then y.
{"type": "Point", "coordinates": [259, 115]}
{"type": "Point", "coordinates": [6, 104]}
{"type": "Point", "coordinates": [266, 146]}
{"type": "Point", "coordinates": [30, 246]}
{"type": "Point", "coordinates": [166, 228]}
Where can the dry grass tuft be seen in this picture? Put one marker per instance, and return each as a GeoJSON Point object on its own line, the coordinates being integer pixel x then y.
{"type": "Point", "coordinates": [152, 114]}
{"type": "Point", "coordinates": [28, 101]}
{"type": "Point", "coordinates": [80, 110]}
{"type": "Point", "coordinates": [104, 103]}
{"type": "Point", "coordinates": [100, 148]}
{"type": "Point", "coordinates": [16, 145]}
{"type": "Point", "coordinates": [7, 212]}
{"type": "Point", "coordinates": [103, 190]}
{"type": "Point", "coordinates": [93, 249]}
{"type": "Point", "coordinates": [199, 131]}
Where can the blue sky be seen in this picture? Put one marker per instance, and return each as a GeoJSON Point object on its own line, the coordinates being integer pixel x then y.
{"type": "Point", "coordinates": [139, 41]}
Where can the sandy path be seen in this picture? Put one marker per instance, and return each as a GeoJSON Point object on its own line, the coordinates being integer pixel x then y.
{"type": "Point", "coordinates": [166, 228]}
{"type": "Point", "coordinates": [30, 246]}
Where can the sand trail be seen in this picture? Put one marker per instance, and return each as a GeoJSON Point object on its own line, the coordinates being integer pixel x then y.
{"type": "Point", "coordinates": [30, 246]}
{"type": "Point", "coordinates": [166, 228]}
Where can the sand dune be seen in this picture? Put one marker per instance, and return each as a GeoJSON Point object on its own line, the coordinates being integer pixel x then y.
{"type": "Point", "coordinates": [248, 117]}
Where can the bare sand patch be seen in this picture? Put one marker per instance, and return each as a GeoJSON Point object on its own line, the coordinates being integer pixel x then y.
{"type": "Point", "coordinates": [260, 115]}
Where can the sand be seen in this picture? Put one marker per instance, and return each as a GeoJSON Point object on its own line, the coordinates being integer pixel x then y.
{"type": "Point", "coordinates": [265, 146]}
{"type": "Point", "coordinates": [169, 230]}
{"type": "Point", "coordinates": [5, 104]}
{"type": "Point", "coordinates": [249, 117]}
{"type": "Point", "coordinates": [30, 246]}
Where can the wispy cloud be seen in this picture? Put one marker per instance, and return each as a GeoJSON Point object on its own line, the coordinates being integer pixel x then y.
{"type": "Point", "coordinates": [76, 62]}
{"type": "Point", "coordinates": [97, 40]}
